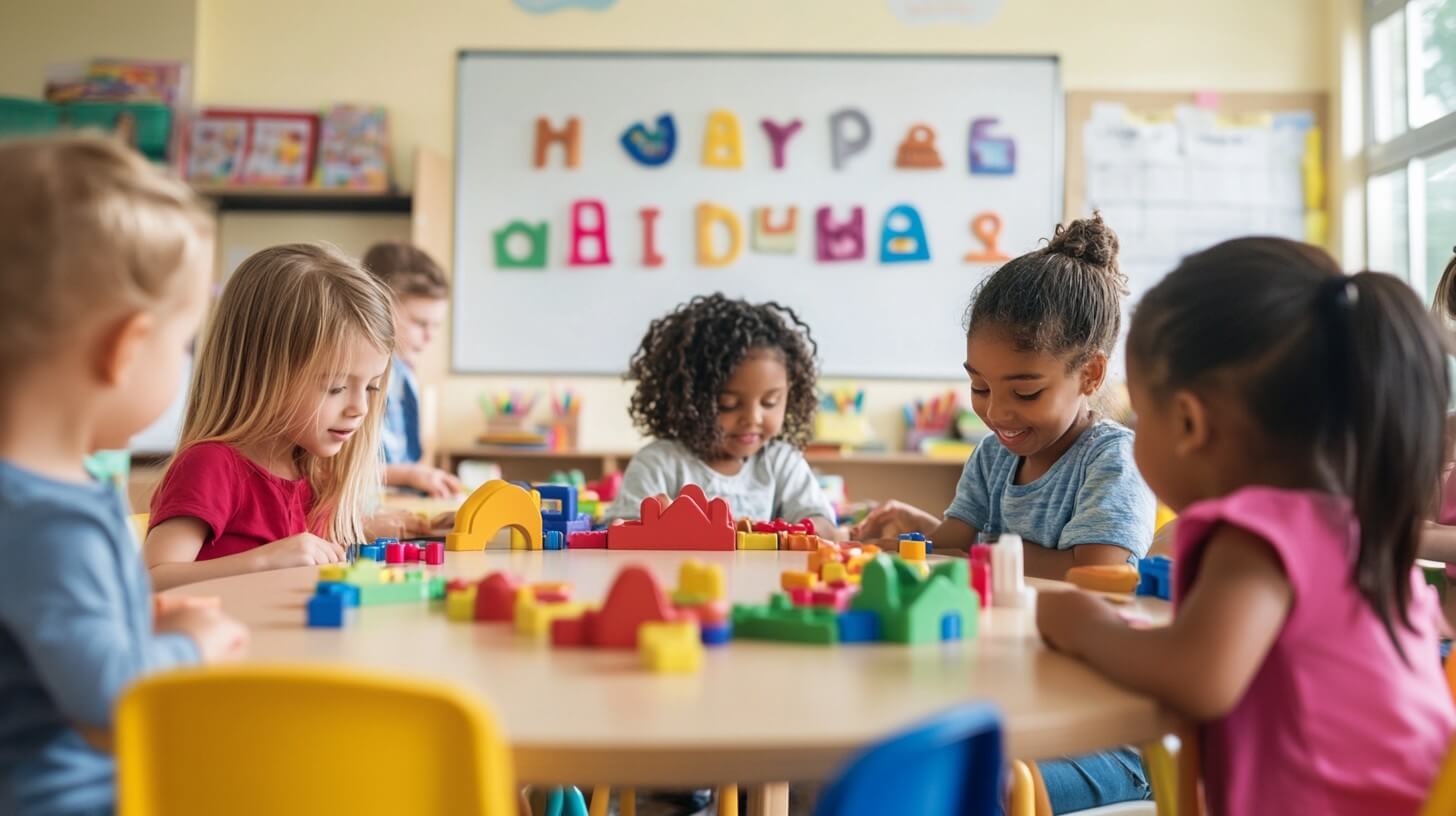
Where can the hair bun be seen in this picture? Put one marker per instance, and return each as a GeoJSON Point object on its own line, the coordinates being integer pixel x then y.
{"type": "Point", "coordinates": [1086, 239]}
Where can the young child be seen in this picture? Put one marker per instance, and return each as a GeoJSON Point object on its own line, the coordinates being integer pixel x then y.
{"type": "Point", "coordinates": [1290, 414]}
{"type": "Point", "coordinates": [420, 291]}
{"type": "Point", "coordinates": [1038, 336]}
{"type": "Point", "coordinates": [727, 388]}
{"type": "Point", "coordinates": [104, 268]}
{"type": "Point", "coordinates": [1439, 539]}
{"type": "Point", "coordinates": [279, 452]}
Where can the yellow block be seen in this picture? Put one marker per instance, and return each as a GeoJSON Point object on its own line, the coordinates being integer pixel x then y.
{"type": "Point", "coordinates": [670, 647]}
{"type": "Point", "coordinates": [794, 579]}
{"type": "Point", "coordinates": [460, 604]}
{"type": "Point", "coordinates": [534, 618]}
{"type": "Point", "coordinates": [494, 506]}
{"type": "Point", "coordinates": [834, 572]}
{"type": "Point", "coordinates": [758, 541]}
{"type": "Point", "coordinates": [695, 578]}
{"type": "Point", "coordinates": [912, 550]}
{"type": "Point", "coordinates": [333, 572]}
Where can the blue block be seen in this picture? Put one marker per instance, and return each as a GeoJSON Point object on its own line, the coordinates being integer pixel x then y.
{"type": "Point", "coordinates": [1155, 577]}
{"type": "Point", "coordinates": [558, 502]}
{"type": "Point", "coordinates": [348, 592]}
{"type": "Point", "coordinates": [326, 610]}
{"type": "Point", "coordinates": [717, 635]}
{"type": "Point", "coordinates": [859, 626]}
{"type": "Point", "coordinates": [929, 545]}
{"type": "Point", "coordinates": [950, 626]}
{"type": "Point", "coordinates": [580, 524]}
{"type": "Point", "coordinates": [371, 552]}
{"type": "Point", "coordinates": [553, 540]}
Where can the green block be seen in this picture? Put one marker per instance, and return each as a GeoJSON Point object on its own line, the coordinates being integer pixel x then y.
{"type": "Point", "coordinates": [781, 620]}
{"type": "Point", "coordinates": [437, 588]}
{"type": "Point", "coordinates": [402, 592]}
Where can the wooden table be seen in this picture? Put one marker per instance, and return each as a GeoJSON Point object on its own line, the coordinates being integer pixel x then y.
{"type": "Point", "coordinates": [758, 712]}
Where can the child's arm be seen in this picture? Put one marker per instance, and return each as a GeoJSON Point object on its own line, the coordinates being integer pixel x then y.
{"type": "Point", "coordinates": [1042, 562]}
{"type": "Point", "coordinates": [171, 554]}
{"type": "Point", "coordinates": [1203, 662]}
{"type": "Point", "coordinates": [431, 481]}
{"type": "Point", "coordinates": [1112, 518]}
{"type": "Point", "coordinates": [892, 518]}
{"type": "Point", "coordinates": [1438, 542]}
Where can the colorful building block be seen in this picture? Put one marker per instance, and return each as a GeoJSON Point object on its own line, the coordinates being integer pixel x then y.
{"type": "Point", "coordinates": [1105, 577]}
{"type": "Point", "coordinates": [435, 553]}
{"type": "Point", "coordinates": [371, 552]}
{"type": "Point", "coordinates": [460, 604]}
{"type": "Point", "coordinates": [326, 611]}
{"type": "Point", "coordinates": [780, 526]}
{"type": "Point", "coordinates": [495, 598]}
{"type": "Point", "coordinates": [913, 609]}
{"type": "Point", "coordinates": [494, 506]}
{"type": "Point", "coordinates": [758, 541]}
{"type": "Point", "coordinates": [559, 511]}
{"type": "Point", "coordinates": [406, 591]}
{"type": "Point", "coordinates": [551, 591]}
{"type": "Point", "coordinates": [635, 598]}
{"type": "Point", "coordinates": [781, 620]}
{"type": "Point", "coordinates": [1008, 583]}
{"type": "Point", "coordinates": [349, 592]}
{"type": "Point", "coordinates": [861, 626]}
{"type": "Point", "coordinates": [689, 522]}
{"type": "Point", "coordinates": [590, 540]}
{"type": "Point", "coordinates": [794, 579]}
{"type": "Point", "coordinates": [834, 597]}
{"type": "Point", "coordinates": [912, 550]}
{"type": "Point", "coordinates": [674, 646]}
{"type": "Point", "coordinates": [534, 617]}
{"type": "Point", "coordinates": [717, 634]}
{"type": "Point", "coordinates": [553, 540]}
{"type": "Point", "coordinates": [929, 545]}
{"type": "Point", "coordinates": [834, 573]}
{"type": "Point", "coordinates": [801, 542]}
{"type": "Point", "coordinates": [1156, 577]}
{"type": "Point", "coordinates": [699, 583]}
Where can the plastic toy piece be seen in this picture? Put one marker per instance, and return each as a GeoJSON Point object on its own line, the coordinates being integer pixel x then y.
{"type": "Point", "coordinates": [495, 597]}
{"type": "Point", "coordinates": [592, 540]}
{"type": "Point", "coordinates": [699, 583]}
{"type": "Point", "coordinates": [991, 155]}
{"type": "Point", "coordinates": [349, 592]}
{"type": "Point", "coordinates": [534, 256]}
{"type": "Point", "coordinates": [929, 545]}
{"type": "Point", "coordinates": [414, 589]}
{"type": "Point", "coordinates": [834, 573]}
{"type": "Point", "coordinates": [781, 526]}
{"type": "Point", "coordinates": [859, 627]}
{"type": "Point", "coordinates": [607, 487]}
{"type": "Point", "coordinates": [553, 540]}
{"type": "Point", "coordinates": [493, 506]}
{"type": "Point", "coordinates": [839, 242]}
{"type": "Point", "coordinates": [902, 239]}
{"type": "Point", "coordinates": [534, 617]}
{"type": "Point", "coordinates": [723, 141]}
{"type": "Point", "coordinates": [792, 579]}
{"type": "Point", "coordinates": [912, 550]}
{"type": "Point", "coordinates": [551, 591]}
{"type": "Point", "coordinates": [651, 258]}
{"type": "Point", "coordinates": [778, 138]}
{"type": "Point", "coordinates": [843, 140]}
{"type": "Point", "coordinates": [782, 238]}
{"type": "Point", "coordinates": [671, 647]}
{"type": "Point", "coordinates": [1008, 584]}
{"type": "Point", "coordinates": [333, 572]}
{"type": "Point", "coordinates": [651, 148]}
{"type": "Point", "coordinates": [435, 553]}
{"type": "Point", "coordinates": [690, 522]}
{"type": "Point", "coordinates": [394, 553]}
{"type": "Point", "coordinates": [708, 216]}
{"type": "Point", "coordinates": [635, 598]}
{"type": "Point", "coordinates": [917, 151]}
{"type": "Point", "coordinates": [758, 541]}
{"type": "Point", "coordinates": [460, 604]}
{"type": "Point", "coordinates": [582, 231]}
{"type": "Point", "coordinates": [326, 611]}
{"type": "Point", "coordinates": [1105, 577]}
{"type": "Point", "coordinates": [981, 573]}
{"type": "Point", "coordinates": [371, 552]}
{"type": "Point", "coordinates": [781, 620]}
{"type": "Point", "coordinates": [716, 635]}
{"type": "Point", "coordinates": [801, 542]}
{"type": "Point", "coordinates": [834, 597]}
{"type": "Point", "coordinates": [986, 227]}
{"type": "Point", "coordinates": [914, 609]}
{"type": "Point", "coordinates": [1156, 577]}
{"type": "Point", "coordinates": [569, 137]}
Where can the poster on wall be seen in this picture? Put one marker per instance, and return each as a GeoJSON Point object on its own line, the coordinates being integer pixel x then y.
{"type": "Point", "coordinates": [964, 12]}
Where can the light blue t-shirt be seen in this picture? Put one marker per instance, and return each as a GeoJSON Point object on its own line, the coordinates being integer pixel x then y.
{"type": "Point", "coordinates": [75, 631]}
{"type": "Point", "coordinates": [1092, 495]}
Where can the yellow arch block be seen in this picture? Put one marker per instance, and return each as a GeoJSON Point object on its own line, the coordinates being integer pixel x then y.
{"type": "Point", "coordinates": [494, 506]}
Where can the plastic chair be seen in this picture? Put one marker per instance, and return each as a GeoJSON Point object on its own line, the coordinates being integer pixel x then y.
{"type": "Point", "coordinates": [952, 764]}
{"type": "Point", "coordinates": [272, 739]}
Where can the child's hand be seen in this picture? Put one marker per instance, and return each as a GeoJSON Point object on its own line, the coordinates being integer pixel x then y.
{"type": "Point", "coordinates": [891, 519]}
{"type": "Point", "coordinates": [166, 604]}
{"type": "Point", "coordinates": [1062, 615]}
{"type": "Point", "coordinates": [442, 521]}
{"type": "Point", "coordinates": [301, 550]}
{"type": "Point", "coordinates": [435, 483]}
{"type": "Point", "coordinates": [218, 637]}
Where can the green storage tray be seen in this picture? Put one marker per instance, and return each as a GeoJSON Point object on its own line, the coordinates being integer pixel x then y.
{"type": "Point", "coordinates": [27, 117]}
{"type": "Point", "coordinates": [153, 122]}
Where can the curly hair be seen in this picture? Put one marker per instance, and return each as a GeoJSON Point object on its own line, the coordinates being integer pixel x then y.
{"type": "Point", "coordinates": [688, 356]}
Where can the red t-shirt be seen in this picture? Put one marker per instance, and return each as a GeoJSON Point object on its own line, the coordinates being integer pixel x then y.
{"type": "Point", "coordinates": [243, 505]}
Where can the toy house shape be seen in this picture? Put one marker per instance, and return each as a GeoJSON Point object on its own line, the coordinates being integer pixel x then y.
{"type": "Point", "coordinates": [493, 506]}
{"type": "Point", "coordinates": [690, 522]}
{"type": "Point", "coordinates": [634, 599]}
{"type": "Point", "coordinates": [916, 610]}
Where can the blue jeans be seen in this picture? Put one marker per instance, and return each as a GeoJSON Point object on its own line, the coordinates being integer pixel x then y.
{"type": "Point", "coordinates": [1080, 783]}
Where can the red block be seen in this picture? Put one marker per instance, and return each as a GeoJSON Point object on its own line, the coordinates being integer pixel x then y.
{"type": "Point", "coordinates": [981, 579]}
{"type": "Point", "coordinates": [837, 597]}
{"type": "Point", "coordinates": [568, 632]}
{"type": "Point", "coordinates": [780, 526]}
{"type": "Point", "coordinates": [394, 553]}
{"type": "Point", "coordinates": [634, 599]}
{"type": "Point", "coordinates": [413, 553]}
{"type": "Point", "coordinates": [590, 540]}
{"type": "Point", "coordinates": [435, 553]}
{"type": "Point", "coordinates": [457, 584]}
{"type": "Point", "coordinates": [690, 522]}
{"type": "Point", "coordinates": [495, 599]}
{"type": "Point", "coordinates": [801, 596]}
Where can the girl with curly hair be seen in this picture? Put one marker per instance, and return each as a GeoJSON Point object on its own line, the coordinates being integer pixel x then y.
{"type": "Point", "coordinates": [727, 390]}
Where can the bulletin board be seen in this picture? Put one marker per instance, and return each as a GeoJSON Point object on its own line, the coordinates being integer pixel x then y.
{"type": "Point", "coordinates": [909, 178]}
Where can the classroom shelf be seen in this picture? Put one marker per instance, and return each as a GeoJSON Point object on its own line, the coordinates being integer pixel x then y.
{"type": "Point", "coordinates": [273, 199]}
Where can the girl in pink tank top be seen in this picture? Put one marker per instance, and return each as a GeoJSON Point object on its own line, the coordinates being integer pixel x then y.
{"type": "Point", "coordinates": [1292, 415]}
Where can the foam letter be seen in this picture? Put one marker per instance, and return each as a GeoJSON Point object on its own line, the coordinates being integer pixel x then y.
{"type": "Point", "coordinates": [987, 229]}
{"type": "Point", "coordinates": [841, 146]}
{"type": "Point", "coordinates": [581, 231]}
{"type": "Point", "coordinates": [902, 240]}
{"type": "Point", "coordinates": [649, 243]}
{"type": "Point", "coordinates": [651, 147]}
{"type": "Point", "coordinates": [840, 242]}
{"type": "Point", "coordinates": [918, 151]}
{"type": "Point", "coordinates": [778, 138]}
{"type": "Point", "coordinates": [991, 155]}
{"type": "Point", "coordinates": [568, 137]}
{"type": "Point", "coordinates": [779, 239]}
{"type": "Point", "coordinates": [533, 258]}
{"type": "Point", "coordinates": [723, 142]}
{"type": "Point", "coordinates": [708, 214]}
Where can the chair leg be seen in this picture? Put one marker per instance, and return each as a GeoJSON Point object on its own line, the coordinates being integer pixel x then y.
{"type": "Point", "coordinates": [1038, 786]}
{"type": "Point", "coordinates": [627, 802]}
{"type": "Point", "coordinates": [601, 800]}
{"type": "Point", "coordinates": [1023, 793]}
{"type": "Point", "coordinates": [727, 800]}
{"type": "Point", "coordinates": [1174, 778]}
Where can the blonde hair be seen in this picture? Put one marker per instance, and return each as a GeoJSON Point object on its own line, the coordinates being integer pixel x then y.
{"type": "Point", "coordinates": [280, 329]}
{"type": "Point", "coordinates": [87, 227]}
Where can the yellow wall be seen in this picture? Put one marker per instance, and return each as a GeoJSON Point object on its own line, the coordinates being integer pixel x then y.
{"type": "Point", "coordinates": [402, 55]}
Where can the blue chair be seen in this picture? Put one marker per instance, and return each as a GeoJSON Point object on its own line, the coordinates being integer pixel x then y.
{"type": "Point", "coordinates": [948, 766]}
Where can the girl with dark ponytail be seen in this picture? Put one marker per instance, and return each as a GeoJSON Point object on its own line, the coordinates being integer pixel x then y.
{"type": "Point", "coordinates": [1293, 416]}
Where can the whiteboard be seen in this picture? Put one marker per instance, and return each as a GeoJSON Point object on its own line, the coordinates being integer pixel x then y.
{"type": "Point", "coordinates": [872, 319]}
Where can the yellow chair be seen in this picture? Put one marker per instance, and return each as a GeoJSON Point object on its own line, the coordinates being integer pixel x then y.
{"type": "Point", "coordinates": [139, 526]}
{"type": "Point", "coordinates": [274, 739]}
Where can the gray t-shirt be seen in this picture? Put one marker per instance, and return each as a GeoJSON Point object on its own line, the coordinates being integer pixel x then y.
{"type": "Point", "coordinates": [1092, 495]}
{"type": "Point", "coordinates": [775, 483]}
{"type": "Point", "coordinates": [75, 630]}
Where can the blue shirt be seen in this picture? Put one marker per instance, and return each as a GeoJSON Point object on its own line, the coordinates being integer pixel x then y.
{"type": "Point", "coordinates": [1093, 494]}
{"type": "Point", "coordinates": [402, 417]}
{"type": "Point", "coordinates": [75, 630]}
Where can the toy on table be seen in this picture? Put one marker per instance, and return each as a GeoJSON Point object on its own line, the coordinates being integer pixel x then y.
{"type": "Point", "coordinates": [394, 551]}
{"type": "Point", "coordinates": [559, 512]}
{"type": "Point", "coordinates": [981, 580]}
{"type": "Point", "coordinates": [1105, 577]}
{"type": "Point", "coordinates": [494, 506]}
{"type": "Point", "coordinates": [342, 587]}
{"type": "Point", "coordinates": [607, 487]}
{"type": "Point", "coordinates": [1156, 577]}
{"type": "Point", "coordinates": [689, 522]}
{"type": "Point", "coordinates": [1008, 578]}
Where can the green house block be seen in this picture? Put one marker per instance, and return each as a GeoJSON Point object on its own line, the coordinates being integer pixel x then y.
{"type": "Point", "coordinates": [912, 609]}
{"type": "Point", "coordinates": [402, 592]}
{"type": "Point", "coordinates": [781, 620]}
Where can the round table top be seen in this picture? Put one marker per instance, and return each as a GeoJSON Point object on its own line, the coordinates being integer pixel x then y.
{"type": "Point", "coordinates": [757, 712]}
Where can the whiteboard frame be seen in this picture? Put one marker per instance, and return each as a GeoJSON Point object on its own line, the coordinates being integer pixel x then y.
{"type": "Point", "coordinates": [1058, 137]}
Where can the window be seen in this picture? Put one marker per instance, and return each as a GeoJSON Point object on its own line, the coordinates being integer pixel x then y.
{"type": "Point", "coordinates": [1410, 189]}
